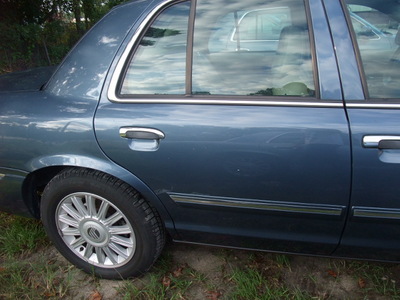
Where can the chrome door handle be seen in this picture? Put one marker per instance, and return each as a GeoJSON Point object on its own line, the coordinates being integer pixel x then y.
{"type": "Point", "coordinates": [142, 138]}
{"type": "Point", "coordinates": [141, 133]}
{"type": "Point", "coordinates": [381, 141]}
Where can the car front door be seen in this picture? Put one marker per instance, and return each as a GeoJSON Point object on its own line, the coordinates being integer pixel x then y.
{"type": "Point", "coordinates": [245, 147]}
{"type": "Point", "coordinates": [374, 113]}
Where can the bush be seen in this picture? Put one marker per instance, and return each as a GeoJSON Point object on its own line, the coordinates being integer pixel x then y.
{"type": "Point", "coordinates": [33, 45]}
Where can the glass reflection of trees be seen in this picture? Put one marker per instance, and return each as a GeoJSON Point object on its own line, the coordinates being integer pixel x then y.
{"type": "Point", "coordinates": [157, 33]}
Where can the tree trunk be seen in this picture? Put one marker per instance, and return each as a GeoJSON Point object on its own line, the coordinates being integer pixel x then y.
{"type": "Point", "coordinates": [77, 13]}
{"type": "Point", "coordinates": [88, 10]}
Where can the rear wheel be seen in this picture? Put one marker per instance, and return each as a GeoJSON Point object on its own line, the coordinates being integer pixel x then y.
{"type": "Point", "coordinates": [101, 224]}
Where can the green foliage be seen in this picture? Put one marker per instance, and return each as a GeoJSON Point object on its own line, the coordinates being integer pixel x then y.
{"type": "Point", "coordinates": [282, 260]}
{"type": "Point", "coordinates": [251, 284]}
{"type": "Point", "coordinates": [373, 277]}
{"type": "Point", "coordinates": [36, 33]}
{"type": "Point", "coordinates": [20, 235]}
{"type": "Point", "coordinates": [165, 281]}
{"type": "Point", "coordinates": [38, 280]}
{"type": "Point", "coordinates": [34, 279]}
{"type": "Point", "coordinates": [152, 290]}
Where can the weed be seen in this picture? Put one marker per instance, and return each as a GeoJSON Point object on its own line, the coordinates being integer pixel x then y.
{"type": "Point", "coordinates": [152, 289]}
{"type": "Point", "coordinates": [38, 280]}
{"type": "Point", "coordinates": [20, 235]}
{"type": "Point", "coordinates": [374, 279]}
{"type": "Point", "coordinates": [162, 282]}
{"type": "Point", "coordinates": [198, 277]}
{"type": "Point", "coordinates": [282, 260]}
{"type": "Point", "coordinates": [377, 278]}
{"type": "Point", "coordinates": [250, 284]}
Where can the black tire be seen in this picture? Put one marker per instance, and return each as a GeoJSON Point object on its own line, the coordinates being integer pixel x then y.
{"type": "Point", "coordinates": [76, 210]}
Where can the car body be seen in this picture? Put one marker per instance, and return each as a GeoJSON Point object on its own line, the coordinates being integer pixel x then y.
{"type": "Point", "coordinates": [147, 130]}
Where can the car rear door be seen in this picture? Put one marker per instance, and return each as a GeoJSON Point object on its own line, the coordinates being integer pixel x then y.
{"type": "Point", "coordinates": [374, 112]}
{"type": "Point", "coordinates": [245, 146]}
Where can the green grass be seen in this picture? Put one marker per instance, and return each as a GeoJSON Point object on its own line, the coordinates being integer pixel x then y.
{"type": "Point", "coordinates": [152, 289]}
{"type": "Point", "coordinates": [20, 235]}
{"type": "Point", "coordinates": [22, 277]}
{"type": "Point", "coordinates": [30, 269]}
{"type": "Point", "coordinates": [375, 277]}
{"type": "Point", "coordinates": [38, 280]}
{"type": "Point", "coordinates": [282, 260]}
{"type": "Point", "coordinates": [251, 284]}
{"type": "Point", "coordinates": [164, 281]}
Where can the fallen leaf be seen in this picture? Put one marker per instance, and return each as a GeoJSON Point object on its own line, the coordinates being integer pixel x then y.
{"type": "Point", "coordinates": [332, 273]}
{"type": "Point", "coordinates": [178, 272]}
{"type": "Point", "coordinates": [49, 294]}
{"type": "Point", "coordinates": [166, 281]}
{"type": "Point", "coordinates": [213, 295]}
{"type": "Point", "coordinates": [361, 283]}
{"type": "Point", "coordinates": [95, 296]}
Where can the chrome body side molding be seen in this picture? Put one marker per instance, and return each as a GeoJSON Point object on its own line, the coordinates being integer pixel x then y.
{"type": "Point", "coordinates": [266, 205]}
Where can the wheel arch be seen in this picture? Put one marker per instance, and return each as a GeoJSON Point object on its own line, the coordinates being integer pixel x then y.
{"type": "Point", "coordinates": [45, 168]}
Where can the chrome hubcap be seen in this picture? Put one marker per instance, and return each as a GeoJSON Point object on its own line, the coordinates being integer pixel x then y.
{"type": "Point", "coordinates": [95, 230]}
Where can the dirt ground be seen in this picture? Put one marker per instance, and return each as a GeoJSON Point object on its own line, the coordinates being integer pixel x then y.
{"type": "Point", "coordinates": [320, 278]}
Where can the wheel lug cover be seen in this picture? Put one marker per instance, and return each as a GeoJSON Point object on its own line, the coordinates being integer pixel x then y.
{"type": "Point", "coordinates": [94, 232]}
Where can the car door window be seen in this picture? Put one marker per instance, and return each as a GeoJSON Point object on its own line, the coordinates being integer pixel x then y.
{"type": "Point", "coordinates": [375, 26]}
{"type": "Point", "coordinates": [158, 64]}
{"type": "Point", "coordinates": [252, 48]}
{"type": "Point", "coordinates": [262, 24]}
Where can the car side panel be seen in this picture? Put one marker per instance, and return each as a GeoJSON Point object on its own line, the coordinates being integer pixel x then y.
{"type": "Point", "coordinates": [374, 222]}
{"type": "Point", "coordinates": [11, 199]}
{"type": "Point", "coordinates": [258, 173]}
{"type": "Point", "coordinates": [248, 176]}
{"type": "Point", "coordinates": [39, 131]}
{"type": "Point", "coordinates": [82, 72]}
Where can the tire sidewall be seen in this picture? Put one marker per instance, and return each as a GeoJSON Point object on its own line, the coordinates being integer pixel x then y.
{"type": "Point", "coordinates": [62, 186]}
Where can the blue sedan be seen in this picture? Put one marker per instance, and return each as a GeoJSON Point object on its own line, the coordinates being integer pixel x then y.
{"type": "Point", "coordinates": [267, 125]}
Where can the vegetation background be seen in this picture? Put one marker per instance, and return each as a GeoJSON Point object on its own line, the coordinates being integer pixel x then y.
{"type": "Point", "coordinates": [37, 33]}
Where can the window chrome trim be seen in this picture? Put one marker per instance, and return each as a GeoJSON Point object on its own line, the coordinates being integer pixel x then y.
{"type": "Point", "coordinates": [112, 88]}
{"type": "Point", "coordinates": [230, 101]}
{"type": "Point", "coordinates": [182, 99]}
{"type": "Point", "coordinates": [373, 105]}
